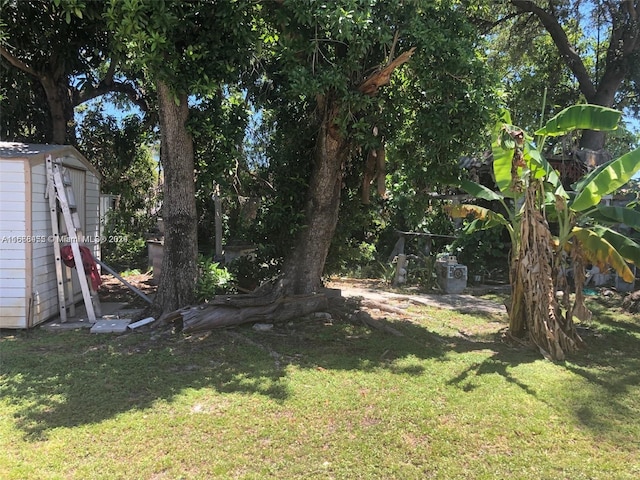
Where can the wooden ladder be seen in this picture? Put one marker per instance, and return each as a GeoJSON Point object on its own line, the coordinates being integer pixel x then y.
{"type": "Point", "coordinates": [59, 191]}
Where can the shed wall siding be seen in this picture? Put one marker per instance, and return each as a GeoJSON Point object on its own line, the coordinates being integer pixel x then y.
{"type": "Point", "coordinates": [13, 256]}
{"type": "Point", "coordinates": [45, 293]}
{"type": "Point", "coordinates": [92, 213]}
{"type": "Point", "coordinates": [23, 185]}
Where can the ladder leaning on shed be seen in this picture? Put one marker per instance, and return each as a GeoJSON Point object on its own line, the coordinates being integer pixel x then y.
{"type": "Point", "coordinates": [59, 191]}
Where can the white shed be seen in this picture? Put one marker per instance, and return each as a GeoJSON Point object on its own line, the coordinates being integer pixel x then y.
{"type": "Point", "coordinates": [28, 282]}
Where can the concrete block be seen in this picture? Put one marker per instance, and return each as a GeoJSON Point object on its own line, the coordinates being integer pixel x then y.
{"type": "Point", "coordinates": [115, 325]}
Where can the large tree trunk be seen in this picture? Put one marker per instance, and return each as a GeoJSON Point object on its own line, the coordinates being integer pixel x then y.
{"type": "Point", "coordinates": [624, 45]}
{"type": "Point", "coordinates": [604, 96]}
{"type": "Point", "coordinates": [179, 264]}
{"type": "Point", "coordinates": [61, 110]}
{"type": "Point", "coordinates": [303, 268]}
{"type": "Point", "coordinates": [592, 140]}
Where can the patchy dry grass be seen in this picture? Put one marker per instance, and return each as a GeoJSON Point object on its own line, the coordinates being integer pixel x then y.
{"type": "Point", "coordinates": [318, 399]}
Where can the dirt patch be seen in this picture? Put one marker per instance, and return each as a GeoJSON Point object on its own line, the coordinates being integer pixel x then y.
{"type": "Point", "coordinates": [374, 296]}
{"type": "Point", "coordinates": [380, 292]}
{"type": "Point", "coordinates": [112, 290]}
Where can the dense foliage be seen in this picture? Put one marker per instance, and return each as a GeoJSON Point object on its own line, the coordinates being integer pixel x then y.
{"type": "Point", "coordinates": [432, 110]}
{"type": "Point", "coordinates": [260, 77]}
{"type": "Point", "coordinates": [121, 153]}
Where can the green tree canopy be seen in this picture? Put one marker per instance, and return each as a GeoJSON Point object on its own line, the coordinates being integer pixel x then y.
{"type": "Point", "coordinates": [65, 46]}
{"type": "Point", "coordinates": [598, 41]}
{"type": "Point", "coordinates": [402, 77]}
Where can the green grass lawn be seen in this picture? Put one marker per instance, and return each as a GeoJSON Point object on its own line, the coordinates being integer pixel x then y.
{"type": "Point", "coordinates": [318, 399]}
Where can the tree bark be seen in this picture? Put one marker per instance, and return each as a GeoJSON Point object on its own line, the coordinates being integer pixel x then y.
{"type": "Point", "coordinates": [60, 108]}
{"type": "Point", "coordinates": [604, 96]}
{"type": "Point", "coordinates": [179, 264]}
{"type": "Point", "coordinates": [229, 311]}
{"type": "Point", "coordinates": [303, 268]}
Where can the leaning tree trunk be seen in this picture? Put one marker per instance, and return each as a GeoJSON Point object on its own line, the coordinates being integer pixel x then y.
{"type": "Point", "coordinates": [179, 263]}
{"type": "Point", "coordinates": [303, 268]}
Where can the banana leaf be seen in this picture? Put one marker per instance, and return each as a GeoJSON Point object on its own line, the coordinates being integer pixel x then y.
{"type": "Point", "coordinates": [580, 184]}
{"type": "Point", "coordinates": [617, 173]}
{"type": "Point", "coordinates": [600, 252]}
{"type": "Point", "coordinates": [504, 116]}
{"type": "Point", "coordinates": [578, 117]}
{"type": "Point", "coordinates": [625, 246]}
{"type": "Point", "coordinates": [489, 218]}
{"type": "Point", "coordinates": [543, 169]}
{"type": "Point", "coordinates": [502, 158]}
{"type": "Point", "coordinates": [480, 191]}
{"type": "Point", "coordinates": [614, 215]}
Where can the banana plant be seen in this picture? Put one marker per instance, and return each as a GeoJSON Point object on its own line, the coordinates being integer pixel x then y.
{"type": "Point", "coordinates": [518, 159]}
{"type": "Point", "coordinates": [582, 216]}
{"type": "Point", "coordinates": [585, 218]}
{"type": "Point", "coordinates": [583, 234]}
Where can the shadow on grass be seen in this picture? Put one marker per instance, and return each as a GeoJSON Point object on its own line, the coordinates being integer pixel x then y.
{"type": "Point", "coordinates": [76, 378]}
{"type": "Point", "coordinates": [609, 366]}
{"type": "Point", "coordinates": [499, 363]}
{"type": "Point", "coordinates": [608, 313]}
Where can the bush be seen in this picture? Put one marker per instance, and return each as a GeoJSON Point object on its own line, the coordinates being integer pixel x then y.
{"type": "Point", "coordinates": [353, 258]}
{"type": "Point", "coordinates": [483, 251]}
{"type": "Point", "coordinates": [421, 271]}
{"type": "Point", "coordinates": [126, 245]}
{"type": "Point", "coordinates": [251, 271]}
{"type": "Point", "coordinates": [212, 280]}
{"type": "Point", "coordinates": [127, 254]}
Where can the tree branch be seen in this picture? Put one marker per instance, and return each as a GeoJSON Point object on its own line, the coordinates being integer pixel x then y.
{"type": "Point", "coordinates": [486, 26]}
{"type": "Point", "coordinates": [110, 86]}
{"type": "Point", "coordinates": [392, 52]}
{"type": "Point", "coordinates": [630, 34]}
{"type": "Point", "coordinates": [111, 71]}
{"type": "Point", "coordinates": [19, 64]}
{"type": "Point", "coordinates": [571, 57]}
{"type": "Point", "coordinates": [382, 77]}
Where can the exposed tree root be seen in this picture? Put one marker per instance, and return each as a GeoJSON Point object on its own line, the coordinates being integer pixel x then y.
{"type": "Point", "coordinates": [267, 305]}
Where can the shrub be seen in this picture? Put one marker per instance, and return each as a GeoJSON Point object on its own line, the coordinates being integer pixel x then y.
{"type": "Point", "coordinates": [213, 279]}
{"type": "Point", "coordinates": [483, 251]}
